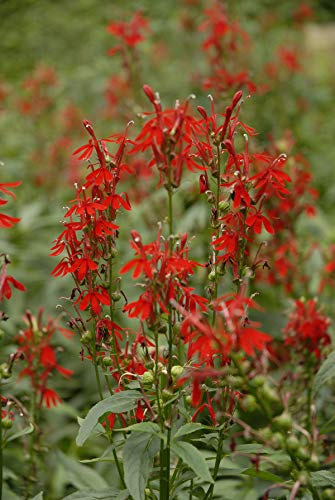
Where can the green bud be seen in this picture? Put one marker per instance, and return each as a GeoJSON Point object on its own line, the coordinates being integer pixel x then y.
{"type": "Point", "coordinates": [258, 381]}
{"type": "Point", "coordinates": [269, 394]}
{"type": "Point", "coordinates": [277, 441]}
{"type": "Point", "coordinates": [303, 478]}
{"type": "Point", "coordinates": [292, 443]}
{"type": "Point", "coordinates": [302, 453]}
{"type": "Point", "coordinates": [283, 422]}
{"type": "Point", "coordinates": [114, 253]}
{"type": "Point", "coordinates": [7, 423]}
{"type": "Point", "coordinates": [87, 337]}
{"type": "Point", "coordinates": [147, 379]}
{"type": "Point", "coordinates": [2, 334]}
{"type": "Point", "coordinates": [107, 361]}
{"type": "Point", "coordinates": [4, 371]}
{"type": "Point", "coordinates": [249, 403]}
{"type": "Point", "coordinates": [328, 494]}
{"type": "Point", "coordinates": [314, 462]}
{"type": "Point", "coordinates": [245, 366]}
{"type": "Point", "coordinates": [266, 433]}
{"type": "Point", "coordinates": [116, 296]}
{"type": "Point", "coordinates": [235, 382]}
{"type": "Point", "coordinates": [224, 205]}
{"type": "Point", "coordinates": [167, 395]}
{"type": "Point", "coordinates": [212, 276]}
{"type": "Point", "coordinates": [176, 371]}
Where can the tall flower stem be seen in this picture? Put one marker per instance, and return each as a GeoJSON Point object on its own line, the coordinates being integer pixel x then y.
{"type": "Point", "coordinates": [215, 221]}
{"type": "Point", "coordinates": [96, 370]}
{"type": "Point", "coordinates": [111, 312]}
{"type": "Point", "coordinates": [210, 491]}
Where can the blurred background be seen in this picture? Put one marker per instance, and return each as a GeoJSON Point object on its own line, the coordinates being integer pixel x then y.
{"type": "Point", "coordinates": [57, 69]}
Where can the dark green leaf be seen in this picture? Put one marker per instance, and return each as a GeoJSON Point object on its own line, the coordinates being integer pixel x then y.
{"type": "Point", "coordinates": [118, 403]}
{"type": "Point", "coordinates": [23, 432]}
{"type": "Point", "coordinates": [252, 448]}
{"type": "Point", "coordinates": [148, 427]}
{"type": "Point", "coordinates": [325, 373]}
{"type": "Point", "coordinates": [186, 429]}
{"type": "Point", "coordinates": [193, 458]}
{"type": "Point", "coordinates": [138, 455]}
{"type": "Point", "coordinates": [81, 476]}
{"type": "Point", "coordinates": [39, 496]}
{"type": "Point", "coordinates": [108, 494]}
{"type": "Point", "coordinates": [263, 474]}
{"type": "Point", "coordinates": [323, 478]}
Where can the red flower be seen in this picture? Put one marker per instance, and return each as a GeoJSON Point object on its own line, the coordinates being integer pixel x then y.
{"type": "Point", "coordinates": [50, 397]}
{"type": "Point", "coordinates": [307, 328]}
{"type": "Point", "coordinates": [99, 295]}
{"type": "Point", "coordinates": [130, 33]}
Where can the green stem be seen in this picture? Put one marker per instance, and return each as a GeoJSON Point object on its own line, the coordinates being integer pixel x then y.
{"type": "Point", "coordinates": [191, 490]}
{"type": "Point", "coordinates": [217, 202]}
{"type": "Point", "coordinates": [170, 212]}
{"type": "Point", "coordinates": [111, 312]}
{"type": "Point", "coordinates": [96, 371]}
{"type": "Point", "coordinates": [119, 469]}
{"type": "Point", "coordinates": [34, 438]}
{"type": "Point", "coordinates": [110, 389]}
{"type": "Point", "coordinates": [210, 491]}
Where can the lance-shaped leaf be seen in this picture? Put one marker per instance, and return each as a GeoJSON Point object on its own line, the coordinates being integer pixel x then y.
{"type": "Point", "coordinates": [118, 403]}
{"type": "Point", "coordinates": [138, 455]}
{"type": "Point", "coordinates": [193, 458]}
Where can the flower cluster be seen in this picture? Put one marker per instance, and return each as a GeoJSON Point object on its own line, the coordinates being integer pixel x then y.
{"type": "Point", "coordinates": [7, 221]}
{"type": "Point", "coordinates": [34, 347]}
{"type": "Point", "coordinates": [166, 272]}
{"type": "Point", "coordinates": [225, 42]}
{"type": "Point", "coordinates": [168, 135]}
{"type": "Point", "coordinates": [307, 328]}
{"type": "Point", "coordinates": [89, 241]}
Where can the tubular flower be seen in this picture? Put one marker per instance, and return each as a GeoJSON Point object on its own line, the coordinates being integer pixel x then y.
{"type": "Point", "coordinates": [34, 346]}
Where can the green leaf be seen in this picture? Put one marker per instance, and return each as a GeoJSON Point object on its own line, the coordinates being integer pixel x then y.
{"type": "Point", "coordinates": [323, 478]}
{"type": "Point", "coordinates": [81, 476]}
{"type": "Point", "coordinates": [186, 429]}
{"type": "Point", "coordinates": [263, 474]}
{"type": "Point", "coordinates": [138, 455]}
{"type": "Point", "coordinates": [118, 403]}
{"type": "Point", "coordinates": [39, 496]}
{"type": "Point", "coordinates": [8, 494]}
{"type": "Point", "coordinates": [105, 457]}
{"type": "Point", "coordinates": [148, 427]}
{"type": "Point", "coordinates": [252, 448]}
{"type": "Point", "coordinates": [325, 373]}
{"type": "Point", "coordinates": [23, 432]}
{"type": "Point", "coordinates": [109, 494]}
{"type": "Point", "coordinates": [192, 457]}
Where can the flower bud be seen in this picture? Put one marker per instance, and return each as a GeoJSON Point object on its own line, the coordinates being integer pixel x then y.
{"type": "Point", "coordinates": [292, 443]}
{"type": "Point", "coordinates": [314, 462]}
{"type": "Point", "coordinates": [4, 371]}
{"type": "Point", "coordinates": [283, 422]}
{"type": "Point", "coordinates": [7, 422]}
{"type": "Point", "coordinates": [116, 296]}
{"type": "Point", "coordinates": [107, 361]}
{"type": "Point", "coordinates": [87, 337]}
{"type": "Point", "coordinates": [147, 379]}
{"type": "Point", "coordinates": [176, 371]}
